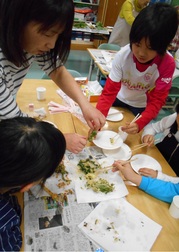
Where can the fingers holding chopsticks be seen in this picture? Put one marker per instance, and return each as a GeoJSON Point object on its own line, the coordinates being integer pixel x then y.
{"type": "Point", "coordinates": [126, 170]}
{"type": "Point", "coordinates": [132, 127]}
{"type": "Point", "coordinates": [121, 164]}
{"type": "Point", "coordinates": [149, 139]}
{"type": "Point", "coordinates": [117, 165]}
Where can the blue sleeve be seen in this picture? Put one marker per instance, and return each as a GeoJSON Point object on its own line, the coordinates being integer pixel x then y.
{"type": "Point", "coordinates": [159, 189]}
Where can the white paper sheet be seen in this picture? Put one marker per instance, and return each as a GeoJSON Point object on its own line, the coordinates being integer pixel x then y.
{"type": "Point", "coordinates": [85, 195]}
{"type": "Point", "coordinates": [118, 226]}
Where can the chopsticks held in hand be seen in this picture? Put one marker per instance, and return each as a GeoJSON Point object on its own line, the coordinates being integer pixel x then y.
{"type": "Point", "coordinates": [103, 169]}
{"type": "Point", "coordinates": [136, 118]}
{"type": "Point", "coordinates": [110, 167]}
{"type": "Point", "coordinates": [139, 146]}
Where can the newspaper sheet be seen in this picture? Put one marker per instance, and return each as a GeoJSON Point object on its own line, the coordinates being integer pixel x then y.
{"type": "Point", "coordinates": [51, 225]}
{"type": "Point", "coordinates": [49, 228]}
{"type": "Point", "coordinates": [104, 58]}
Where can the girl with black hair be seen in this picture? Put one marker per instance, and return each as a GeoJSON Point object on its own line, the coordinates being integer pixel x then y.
{"type": "Point", "coordinates": [39, 31]}
{"type": "Point", "coordinates": [30, 152]}
{"type": "Point", "coordinates": [141, 74]}
{"type": "Point", "coordinates": [169, 142]}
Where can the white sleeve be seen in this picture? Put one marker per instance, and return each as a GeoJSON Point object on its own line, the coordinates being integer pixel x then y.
{"type": "Point", "coordinates": [165, 177]}
{"type": "Point", "coordinates": [160, 126]}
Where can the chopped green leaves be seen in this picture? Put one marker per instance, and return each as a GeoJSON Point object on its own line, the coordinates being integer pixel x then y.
{"type": "Point", "coordinates": [92, 135]}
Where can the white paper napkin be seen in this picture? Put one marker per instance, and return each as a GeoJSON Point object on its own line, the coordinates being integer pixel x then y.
{"type": "Point", "coordinates": [85, 195]}
{"type": "Point", "coordinates": [118, 226]}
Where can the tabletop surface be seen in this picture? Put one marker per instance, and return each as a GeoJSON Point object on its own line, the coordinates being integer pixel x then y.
{"type": "Point", "coordinates": [168, 239]}
{"type": "Point", "coordinates": [102, 58]}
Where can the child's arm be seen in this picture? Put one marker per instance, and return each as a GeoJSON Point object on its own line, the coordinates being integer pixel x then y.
{"type": "Point", "coordinates": [158, 174]}
{"type": "Point", "coordinates": [127, 171]}
{"type": "Point", "coordinates": [159, 189]}
{"type": "Point", "coordinates": [151, 129]}
{"type": "Point", "coordinates": [165, 177]}
{"type": "Point", "coordinates": [156, 97]}
{"type": "Point", "coordinates": [108, 96]}
{"type": "Point", "coordinates": [10, 233]}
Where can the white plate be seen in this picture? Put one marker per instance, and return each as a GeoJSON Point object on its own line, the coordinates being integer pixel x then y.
{"type": "Point", "coordinates": [114, 115]}
{"type": "Point", "coordinates": [145, 161]}
{"type": "Point", "coordinates": [102, 140]}
{"type": "Point", "coordinates": [122, 153]}
{"type": "Point", "coordinates": [51, 123]}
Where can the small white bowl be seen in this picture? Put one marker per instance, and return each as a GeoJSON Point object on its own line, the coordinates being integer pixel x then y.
{"type": "Point", "coordinates": [122, 134]}
{"type": "Point", "coordinates": [51, 123]}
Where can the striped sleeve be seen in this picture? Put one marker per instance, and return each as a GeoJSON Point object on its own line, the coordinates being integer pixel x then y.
{"type": "Point", "coordinates": [10, 219]}
{"type": "Point", "coordinates": [11, 78]}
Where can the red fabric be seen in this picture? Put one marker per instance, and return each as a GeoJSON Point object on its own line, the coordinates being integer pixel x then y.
{"type": "Point", "coordinates": [155, 100]}
{"type": "Point", "coordinates": [108, 96]}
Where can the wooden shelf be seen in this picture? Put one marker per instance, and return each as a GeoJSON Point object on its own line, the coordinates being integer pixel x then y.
{"type": "Point", "coordinates": [81, 45]}
{"type": "Point", "coordinates": [79, 2]}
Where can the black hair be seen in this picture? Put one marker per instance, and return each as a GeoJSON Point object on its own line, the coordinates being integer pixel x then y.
{"type": "Point", "coordinates": [30, 151]}
{"type": "Point", "coordinates": [16, 14]}
{"type": "Point", "coordinates": [158, 23]}
{"type": "Point", "coordinates": [174, 127]}
{"type": "Point", "coordinates": [177, 108]}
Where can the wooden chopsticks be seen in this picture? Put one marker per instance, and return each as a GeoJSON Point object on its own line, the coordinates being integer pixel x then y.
{"type": "Point", "coordinates": [54, 196]}
{"type": "Point", "coordinates": [110, 167]}
{"type": "Point", "coordinates": [114, 138]}
{"type": "Point", "coordinates": [139, 146]}
{"type": "Point", "coordinates": [103, 169]}
{"type": "Point", "coordinates": [136, 118]}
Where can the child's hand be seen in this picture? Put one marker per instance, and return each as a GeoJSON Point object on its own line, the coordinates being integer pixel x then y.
{"type": "Point", "coordinates": [131, 128]}
{"type": "Point", "coordinates": [149, 139]}
{"type": "Point", "coordinates": [75, 142]}
{"type": "Point", "coordinates": [148, 172]}
{"type": "Point", "coordinates": [127, 171]}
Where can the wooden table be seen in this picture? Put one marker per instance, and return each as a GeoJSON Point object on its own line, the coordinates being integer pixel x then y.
{"type": "Point", "coordinates": [168, 239]}
{"type": "Point", "coordinates": [98, 59]}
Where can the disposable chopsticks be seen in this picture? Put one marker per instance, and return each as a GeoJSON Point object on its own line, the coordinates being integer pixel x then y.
{"type": "Point", "coordinates": [136, 118]}
{"type": "Point", "coordinates": [114, 138]}
{"type": "Point", "coordinates": [110, 167]}
{"type": "Point", "coordinates": [54, 196]}
{"type": "Point", "coordinates": [139, 146]}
